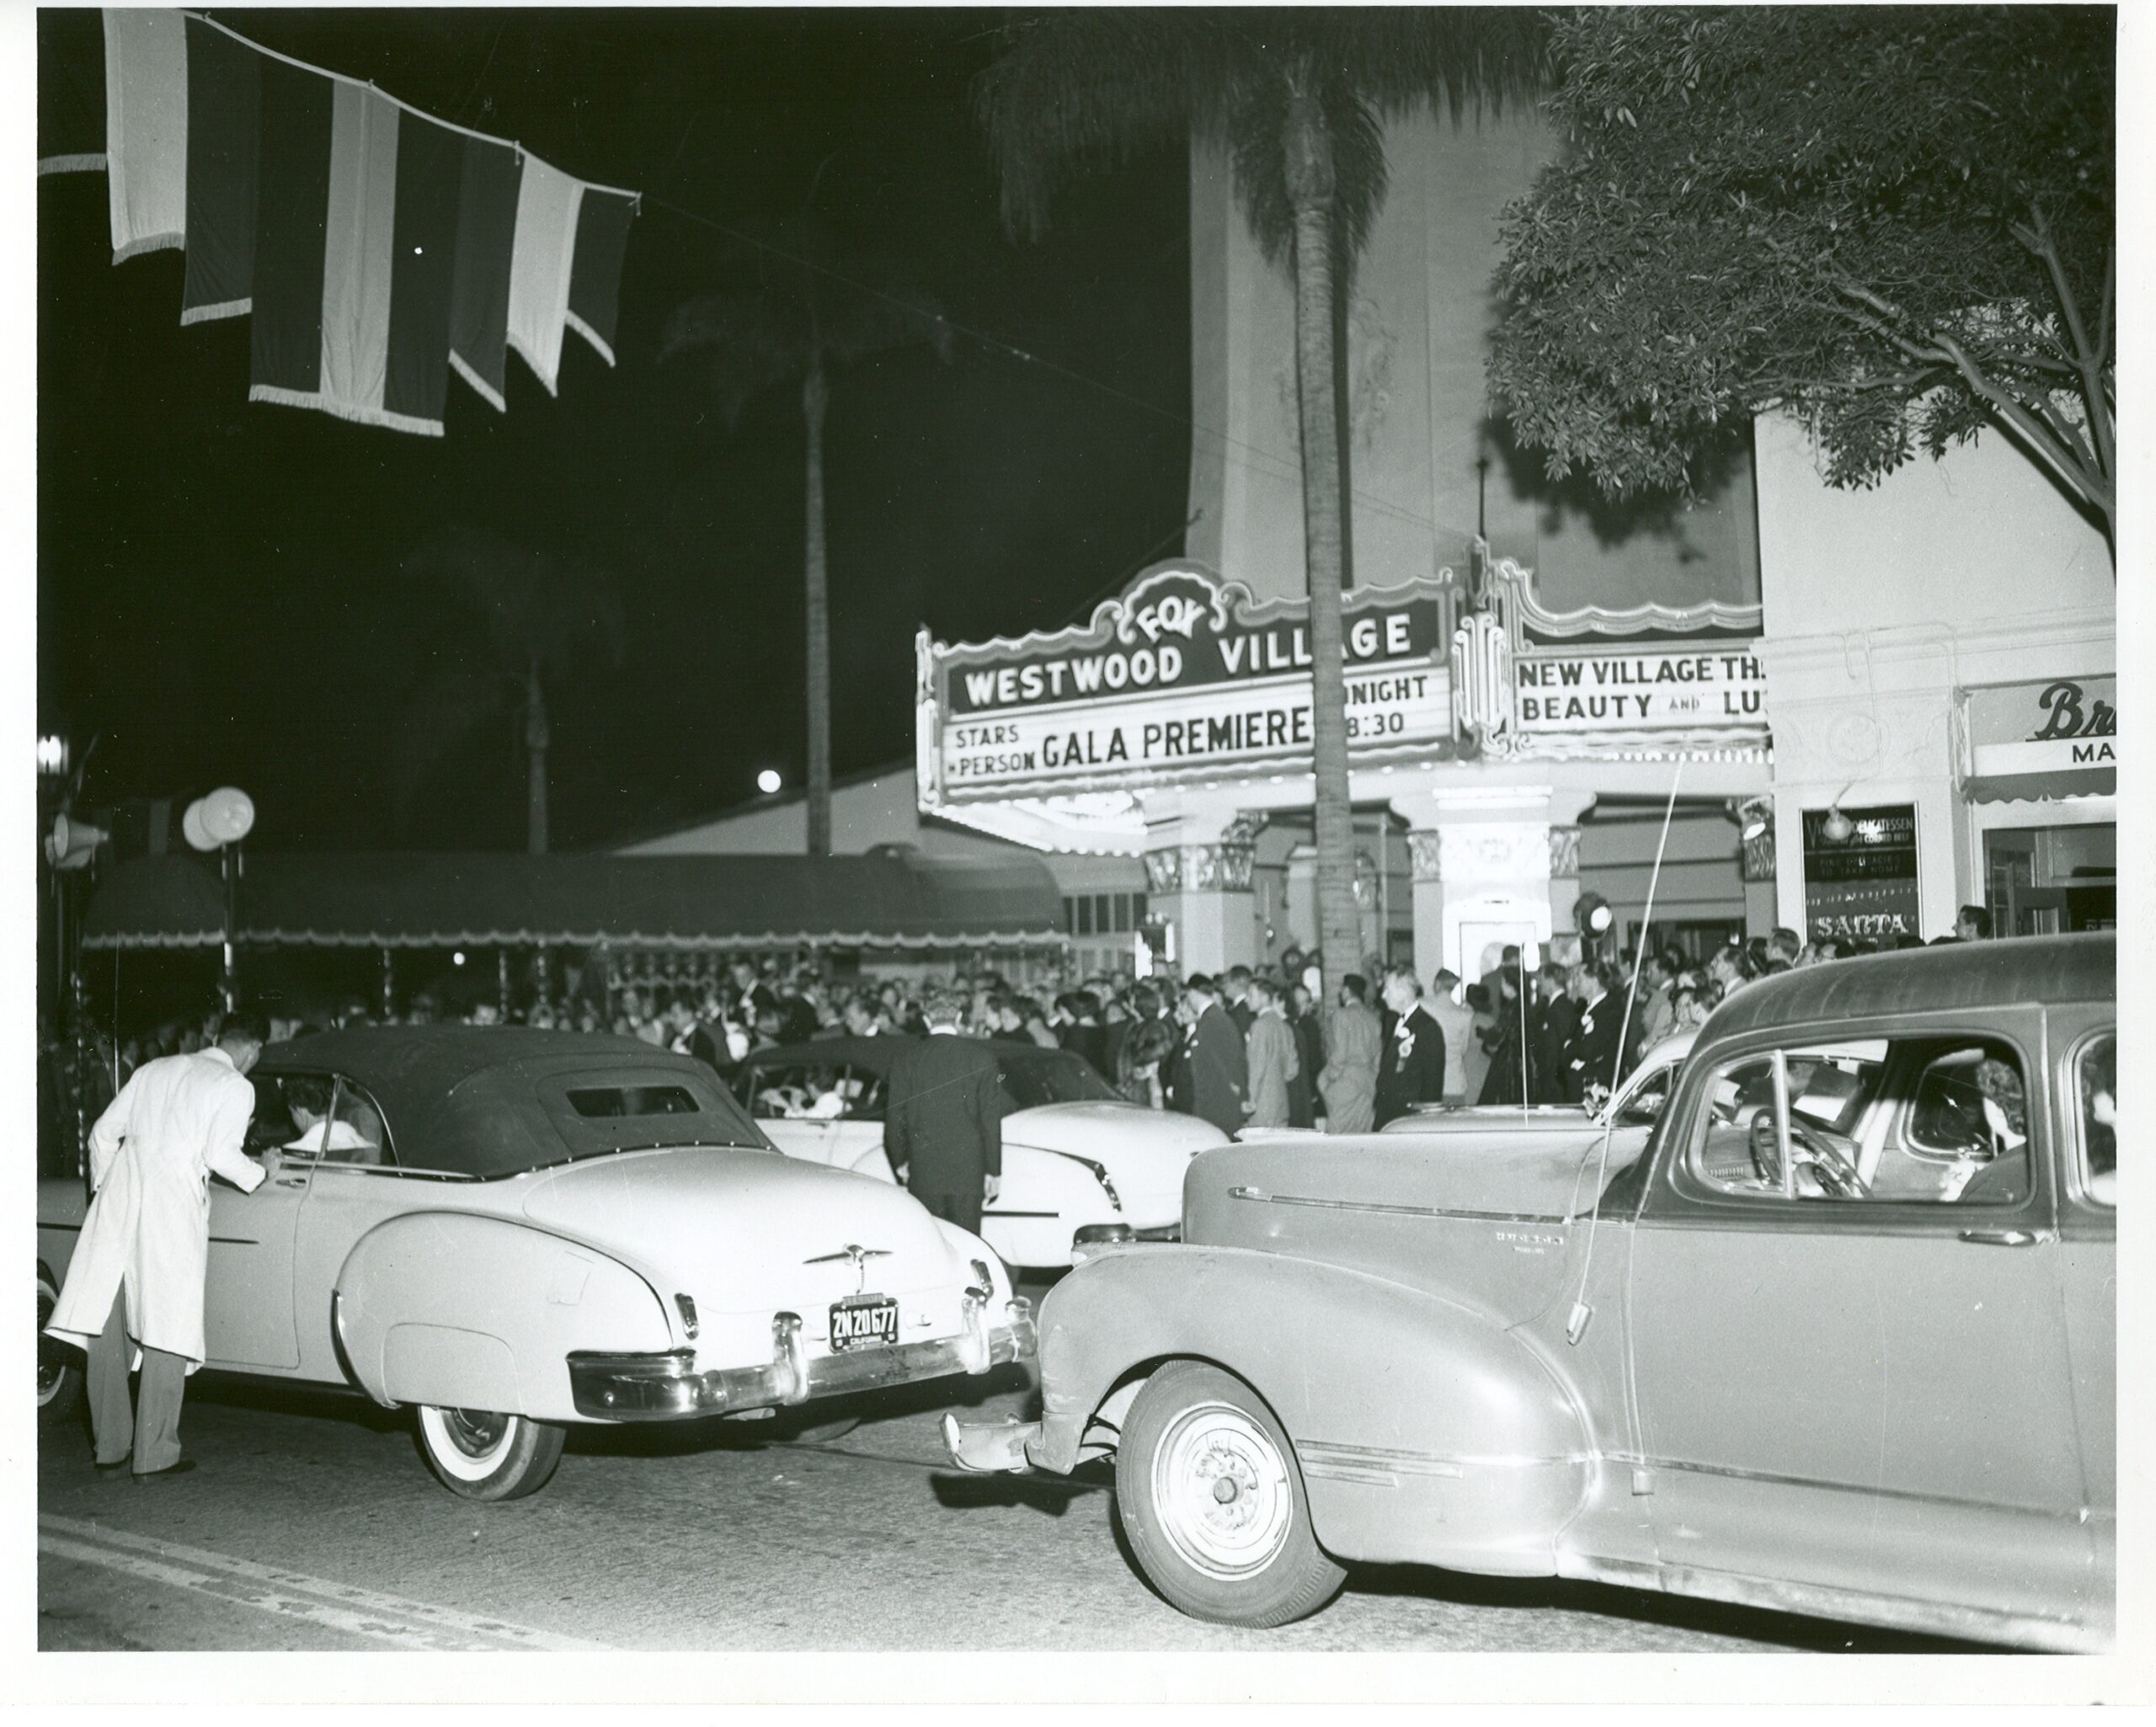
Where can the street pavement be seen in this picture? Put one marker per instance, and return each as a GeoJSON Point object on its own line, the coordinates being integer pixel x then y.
{"type": "Point", "coordinates": [312, 1523]}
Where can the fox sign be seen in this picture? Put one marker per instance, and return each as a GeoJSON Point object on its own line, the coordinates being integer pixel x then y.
{"type": "Point", "coordinates": [1183, 678]}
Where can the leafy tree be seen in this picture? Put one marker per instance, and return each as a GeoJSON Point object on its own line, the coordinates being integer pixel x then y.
{"type": "Point", "coordinates": [816, 307]}
{"type": "Point", "coordinates": [1896, 222]}
{"type": "Point", "coordinates": [546, 612]}
{"type": "Point", "coordinates": [1297, 99]}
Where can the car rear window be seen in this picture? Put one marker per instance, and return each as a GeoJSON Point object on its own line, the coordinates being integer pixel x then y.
{"type": "Point", "coordinates": [610, 1102]}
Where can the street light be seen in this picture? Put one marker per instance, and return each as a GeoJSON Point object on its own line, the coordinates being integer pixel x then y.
{"type": "Point", "coordinates": [218, 822]}
{"type": "Point", "coordinates": [768, 782]}
{"type": "Point", "coordinates": [52, 754]}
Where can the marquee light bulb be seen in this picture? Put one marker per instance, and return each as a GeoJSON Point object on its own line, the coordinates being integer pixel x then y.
{"type": "Point", "coordinates": [768, 782]}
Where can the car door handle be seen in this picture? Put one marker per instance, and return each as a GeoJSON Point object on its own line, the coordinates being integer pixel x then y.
{"type": "Point", "coordinates": [2003, 1238]}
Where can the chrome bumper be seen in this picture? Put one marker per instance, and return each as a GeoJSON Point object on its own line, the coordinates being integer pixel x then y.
{"type": "Point", "coordinates": [668, 1386]}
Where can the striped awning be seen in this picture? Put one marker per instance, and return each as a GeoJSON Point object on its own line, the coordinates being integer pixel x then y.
{"type": "Point", "coordinates": [889, 899]}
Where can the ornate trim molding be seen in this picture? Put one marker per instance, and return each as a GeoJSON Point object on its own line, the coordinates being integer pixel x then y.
{"type": "Point", "coordinates": [1564, 851]}
{"type": "Point", "coordinates": [1426, 852]}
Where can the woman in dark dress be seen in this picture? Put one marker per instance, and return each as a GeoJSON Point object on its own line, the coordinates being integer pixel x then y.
{"type": "Point", "coordinates": [1504, 1039]}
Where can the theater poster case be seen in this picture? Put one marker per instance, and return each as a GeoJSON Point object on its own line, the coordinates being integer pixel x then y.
{"type": "Point", "coordinates": [1862, 887]}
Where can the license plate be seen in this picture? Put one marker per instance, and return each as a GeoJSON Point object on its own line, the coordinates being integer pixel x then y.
{"type": "Point", "coordinates": [864, 1324]}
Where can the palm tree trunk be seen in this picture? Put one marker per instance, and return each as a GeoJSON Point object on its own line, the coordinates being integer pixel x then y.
{"type": "Point", "coordinates": [815, 399]}
{"type": "Point", "coordinates": [1310, 172]}
{"type": "Point", "coordinates": [535, 739]}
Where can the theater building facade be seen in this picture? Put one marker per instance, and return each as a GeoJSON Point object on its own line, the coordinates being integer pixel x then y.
{"type": "Point", "coordinates": [1531, 671]}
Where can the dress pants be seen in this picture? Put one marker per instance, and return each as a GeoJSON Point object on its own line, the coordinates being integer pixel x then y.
{"type": "Point", "coordinates": [150, 1427]}
{"type": "Point", "coordinates": [963, 1209]}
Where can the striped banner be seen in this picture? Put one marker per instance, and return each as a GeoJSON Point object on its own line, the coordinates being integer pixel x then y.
{"type": "Point", "coordinates": [375, 248]}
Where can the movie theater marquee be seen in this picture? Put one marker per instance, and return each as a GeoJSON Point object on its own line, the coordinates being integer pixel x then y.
{"type": "Point", "coordinates": [1188, 678]}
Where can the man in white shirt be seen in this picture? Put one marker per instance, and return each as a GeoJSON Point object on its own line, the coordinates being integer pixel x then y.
{"type": "Point", "coordinates": [143, 1259]}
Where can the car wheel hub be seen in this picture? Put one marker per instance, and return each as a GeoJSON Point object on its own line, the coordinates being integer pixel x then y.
{"type": "Point", "coordinates": [475, 1432]}
{"type": "Point", "coordinates": [1220, 1485]}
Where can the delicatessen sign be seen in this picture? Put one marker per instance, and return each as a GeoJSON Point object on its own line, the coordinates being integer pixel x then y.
{"type": "Point", "coordinates": [1183, 677]}
{"type": "Point", "coordinates": [1865, 884]}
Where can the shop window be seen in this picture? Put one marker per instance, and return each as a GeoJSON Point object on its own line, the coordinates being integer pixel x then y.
{"type": "Point", "coordinates": [2048, 881]}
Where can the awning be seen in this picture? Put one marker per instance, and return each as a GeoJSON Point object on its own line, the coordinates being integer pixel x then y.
{"type": "Point", "coordinates": [2053, 737]}
{"type": "Point", "coordinates": [890, 898]}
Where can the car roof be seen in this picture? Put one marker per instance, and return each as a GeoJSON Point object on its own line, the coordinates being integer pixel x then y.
{"type": "Point", "coordinates": [877, 1054]}
{"type": "Point", "coordinates": [2012, 972]}
{"type": "Point", "coordinates": [874, 1054]}
{"type": "Point", "coordinates": [462, 1095]}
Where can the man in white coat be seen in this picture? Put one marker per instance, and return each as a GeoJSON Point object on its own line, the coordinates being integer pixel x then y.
{"type": "Point", "coordinates": [136, 1278]}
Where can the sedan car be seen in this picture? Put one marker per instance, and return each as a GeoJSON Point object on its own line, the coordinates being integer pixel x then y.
{"type": "Point", "coordinates": [511, 1231]}
{"type": "Point", "coordinates": [1081, 1165]}
{"type": "Point", "coordinates": [1840, 1339]}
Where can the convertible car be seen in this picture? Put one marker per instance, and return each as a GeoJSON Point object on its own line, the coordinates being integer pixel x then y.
{"type": "Point", "coordinates": [1841, 1338]}
{"type": "Point", "coordinates": [511, 1231]}
{"type": "Point", "coordinates": [1081, 1166]}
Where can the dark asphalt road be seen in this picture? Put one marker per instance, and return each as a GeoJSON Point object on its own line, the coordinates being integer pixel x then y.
{"type": "Point", "coordinates": [311, 1523]}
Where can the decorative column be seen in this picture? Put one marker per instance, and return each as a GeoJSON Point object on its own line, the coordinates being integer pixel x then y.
{"type": "Point", "coordinates": [1498, 865]}
{"type": "Point", "coordinates": [1565, 883]}
{"type": "Point", "coordinates": [1201, 880]}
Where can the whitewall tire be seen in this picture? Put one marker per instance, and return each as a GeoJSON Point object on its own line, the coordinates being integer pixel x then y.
{"type": "Point", "coordinates": [480, 1455]}
{"type": "Point", "coordinates": [59, 1368]}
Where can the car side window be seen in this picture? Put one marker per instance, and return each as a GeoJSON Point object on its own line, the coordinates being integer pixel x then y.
{"type": "Point", "coordinates": [272, 1126]}
{"type": "Point", "coordinates": [2096, 1081]}
{"type": "Point", "coordinates": [1933, 1120]}
{"type": "Point", "coordinates": [317, 1117]}
{"type": "Point", "coordinates": [803, 1092]}
{"type": "Point", "coordinates": [864, 1095]}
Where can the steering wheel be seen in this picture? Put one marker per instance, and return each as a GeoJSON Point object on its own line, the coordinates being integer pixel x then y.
{"type": "Point", "coordinates": [1810, 1148]}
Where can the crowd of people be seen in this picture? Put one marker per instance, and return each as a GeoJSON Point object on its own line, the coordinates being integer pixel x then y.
{"type": "Point", "coordinates": [1252, 1048]}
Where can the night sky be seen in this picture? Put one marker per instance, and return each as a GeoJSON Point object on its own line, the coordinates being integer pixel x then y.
{"type": "Point", "coordinates": [219, 583]}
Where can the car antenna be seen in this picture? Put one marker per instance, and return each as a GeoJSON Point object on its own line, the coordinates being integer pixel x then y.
{"type": "Point", "coordinates": [1575, 1323]}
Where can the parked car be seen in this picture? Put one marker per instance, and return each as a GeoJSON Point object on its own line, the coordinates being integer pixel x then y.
{"type": "Point", "coordinates": [512, 1231]}
{"type": "Point", "coordinates": [1840, 1341]}
{"type": "Point", "coordinates": [1081, 1165]}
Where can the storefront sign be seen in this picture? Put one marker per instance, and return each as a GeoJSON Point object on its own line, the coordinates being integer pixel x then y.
{"type": "Point", "coordinates": [1675, 689]}
{"type": "Point", "coordinates": [1865, 885]}
{"type": "Point", "coordinates": [2056, 738]}
{"type": "Point", "coordinates": [1185, 677]}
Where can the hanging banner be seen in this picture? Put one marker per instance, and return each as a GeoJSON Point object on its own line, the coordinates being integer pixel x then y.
{"type": "Point", "coordinates": [1185, 677]}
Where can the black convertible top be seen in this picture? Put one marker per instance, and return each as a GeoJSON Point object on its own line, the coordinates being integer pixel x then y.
{"type": "Point", "coordinates": [477, 1100]}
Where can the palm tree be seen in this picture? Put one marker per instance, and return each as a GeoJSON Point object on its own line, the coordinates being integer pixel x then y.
{"type": "Point", "coordinates": [546, 610]}
{"type": "Point", "coordinates": [818, 307]}
{"type": "Point", "coordinates": [1297, 99]}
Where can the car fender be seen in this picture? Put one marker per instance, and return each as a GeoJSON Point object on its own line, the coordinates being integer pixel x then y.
{"type": "Point", "coordinates": [1425, 1431]}
{"type": "Point", "coordinates": [474, 1311]}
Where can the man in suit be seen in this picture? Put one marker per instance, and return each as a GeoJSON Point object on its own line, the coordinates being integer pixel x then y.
{"type": "Point", "coordinates": [943, 1121]}
{"type": "Point", "coordinates": [1591, 1066]}
{"type": "Point", "coordinates": [1217, 1064]}
{"type": "Point", "coordinates": [1412, 1061]}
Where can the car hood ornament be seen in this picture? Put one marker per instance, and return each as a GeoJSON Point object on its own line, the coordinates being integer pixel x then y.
{"type": "Point", "coordinates": [859, 1255]}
